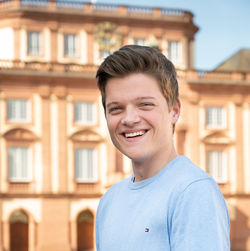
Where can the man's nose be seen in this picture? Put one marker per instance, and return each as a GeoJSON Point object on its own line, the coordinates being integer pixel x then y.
{"type": "Point", "coordinates": [131, 117]}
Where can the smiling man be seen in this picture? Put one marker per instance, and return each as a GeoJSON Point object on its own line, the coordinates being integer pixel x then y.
{"type": "Point", "coordinates": [168, 203]}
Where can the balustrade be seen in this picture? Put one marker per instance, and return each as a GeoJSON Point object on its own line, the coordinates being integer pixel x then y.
{"type": "Point", "coordinates": [88, 7]}
{"type": "Point", "coordinates": [105, 7]}
{"type": "Point", "coordinates": [45, 66]}
{"type": "Point", "coordinates": [70, 4]}
{"type": "Point", "coordinates": [138, 9]}
{"type": "Point", "coordinates": [172, 12]}
{"type": "Point", "coordinates": [34, 3]}
{"type": "Point", "coordinates": [81, 68]}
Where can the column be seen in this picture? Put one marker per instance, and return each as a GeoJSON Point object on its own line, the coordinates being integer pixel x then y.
{"type": "Point", "coordinates": [246, 145]}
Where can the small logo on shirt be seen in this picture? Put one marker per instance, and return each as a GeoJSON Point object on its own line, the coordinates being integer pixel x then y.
{"type": "Point", "coordinates": [146, 229]}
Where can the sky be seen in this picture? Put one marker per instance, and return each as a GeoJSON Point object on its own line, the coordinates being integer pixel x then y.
{"type": "Point", "coordinates": [224, 26]}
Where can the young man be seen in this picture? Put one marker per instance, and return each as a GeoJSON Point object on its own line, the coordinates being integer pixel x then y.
{"type": "Point", "coordinates": [168, 203]}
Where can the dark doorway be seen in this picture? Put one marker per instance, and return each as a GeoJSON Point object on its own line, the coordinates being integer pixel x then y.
{"type": "Point", "coordinates": [85, 231]}
{"type": "Point", "coordinates": [19, 231]}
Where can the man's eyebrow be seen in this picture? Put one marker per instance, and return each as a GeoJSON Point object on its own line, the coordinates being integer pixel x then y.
{"type": "Point", "coordinates": [112, 103]}
{"type": "Point", "coordinates": [146, 97]}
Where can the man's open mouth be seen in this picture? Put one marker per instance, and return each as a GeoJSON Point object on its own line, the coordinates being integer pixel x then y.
{"type": "Point", "coordinates": [134, 134]}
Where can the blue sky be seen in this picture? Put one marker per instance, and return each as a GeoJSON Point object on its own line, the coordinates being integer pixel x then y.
{"type": "Point", "coordinates": [224, 26]}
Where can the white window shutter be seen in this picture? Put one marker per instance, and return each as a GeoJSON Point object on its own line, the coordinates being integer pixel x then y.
{"type": "Point", "coordinates": [19, 164]}
{"type": "Point", "coordinates": [215, 117]}
{"type": "Point", "coordinates": [85, 113]}
{"type": "Point", "coordinates": [217, 165]}
{"type": "Point", "coordinates": [70, 45]}
{"type": "Point", "coordinates": [18, 110]}
{"type": "Point", "coordinates": [175, 52]}
{"type": "Point", "coordinates": [85, 165]}
{"type": "Point", "coordinates": [34, 43]}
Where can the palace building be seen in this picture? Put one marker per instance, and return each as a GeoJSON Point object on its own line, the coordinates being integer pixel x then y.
{"type": "Point", "coordinates": [56, 158]}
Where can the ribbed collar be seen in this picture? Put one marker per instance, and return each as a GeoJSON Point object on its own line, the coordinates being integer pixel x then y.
{"type": "Point", "coordinates": [146, 182]}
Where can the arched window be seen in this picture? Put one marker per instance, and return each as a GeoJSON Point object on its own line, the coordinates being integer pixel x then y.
{"type": "Point", "coordinates": [85, 231]}
{"type": "Point", "coordinates": [19, 231]}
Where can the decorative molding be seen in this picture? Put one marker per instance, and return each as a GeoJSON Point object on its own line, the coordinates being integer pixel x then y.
{"type": "Point", "coordinates": [44, 91]}
{"type": "Point", "coordinates": [238, 99]}
{"type": "Point", "coordinates": [217, 137]}
{"type": "Point", "coordinates": [20, 134]}
{"type": "Point", "coordinates": [87, 135]}
{"type": "Point", "coordinates": [124, 29]}
{"type": "Point", "coordinates": [60, 91]}
{"type": "Point", "coordinates": [108, 31]}
{"type": "Point", "coordinates": [193, 98]}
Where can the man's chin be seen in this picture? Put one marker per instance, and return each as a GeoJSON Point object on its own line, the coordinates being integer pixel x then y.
{"type": "Point", "coordinates": [134, 154]}
{"type": "Point", "coordinates": [135, 158]}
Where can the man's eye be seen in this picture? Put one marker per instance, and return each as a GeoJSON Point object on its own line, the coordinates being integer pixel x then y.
{"type": "Point", "coordinates": [114, 110]}
{"type": "Point", "coordinates": [147, 105]}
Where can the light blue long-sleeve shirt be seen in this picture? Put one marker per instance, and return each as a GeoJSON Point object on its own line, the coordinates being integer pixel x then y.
{"type": "Point", "coordinates": [181, 208]}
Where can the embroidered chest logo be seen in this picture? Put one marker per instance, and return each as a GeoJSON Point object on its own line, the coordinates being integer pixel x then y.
{"type": "Point", "coordinates": [146, 229]}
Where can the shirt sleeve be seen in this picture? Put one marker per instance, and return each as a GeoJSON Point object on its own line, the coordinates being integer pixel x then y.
{"type": "Point", "coordinates": [200, 219]}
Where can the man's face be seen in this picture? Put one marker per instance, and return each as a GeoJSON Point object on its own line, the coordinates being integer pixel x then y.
{"type": "Point", "coordinates": [138, 118]}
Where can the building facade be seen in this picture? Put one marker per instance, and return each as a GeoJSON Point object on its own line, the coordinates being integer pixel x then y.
{"type": "Point", "coordinates": [56, 158]}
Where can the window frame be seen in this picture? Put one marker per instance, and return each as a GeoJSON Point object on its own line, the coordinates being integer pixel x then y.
{"type": "Point", "coordinates": [107, 42]}
{"type": "Point", "coordinates": [30, 51]}
{"type": "Point", "coordinates": [140, 39]}
{"type": "Point", "coordinates": [16, 178]}
{"type": "Point", "coordinates": [178, 51]}
{"type": "Point", "coordinates": [95, 160]}
{"type": "Point", "coordinates": [28, 111]}
{"type": "Point", "coordinates": [75, 47]}
{"type": "Point", "coordinates": [219, 174]}
{"type": "Point", "coordinates": [93, 109]}
{"type": "Point", "coordinates": [104, 53]}
{"type": "Point", "coordinates": [216, 125]}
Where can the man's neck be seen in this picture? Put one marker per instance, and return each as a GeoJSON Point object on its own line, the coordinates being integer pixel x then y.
{"type": "Point", "coordinates": [151, 166]}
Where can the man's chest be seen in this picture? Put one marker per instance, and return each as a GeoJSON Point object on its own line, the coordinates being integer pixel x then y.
{"type": "Point", "coordinates": [135, 224]}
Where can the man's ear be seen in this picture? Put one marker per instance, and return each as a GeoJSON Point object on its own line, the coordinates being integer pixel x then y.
{"type": "Point", "coordinates": [176, 109]}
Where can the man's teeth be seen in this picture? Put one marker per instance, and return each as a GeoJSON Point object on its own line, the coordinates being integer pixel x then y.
{"type": "Point", "coordinates": [134, 134]}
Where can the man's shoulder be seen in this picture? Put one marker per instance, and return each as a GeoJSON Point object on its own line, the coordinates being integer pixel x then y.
{"type": "Point", "coordinates": [184, 167]}
{"type": "Point", "coordinates": [118, 185]}
{"type": "Point", "coordinates": [114, 189]}
{"type": "Point", "coordinates": [187, 180]}
{"type": "Point", "coordinates": [184, 172]}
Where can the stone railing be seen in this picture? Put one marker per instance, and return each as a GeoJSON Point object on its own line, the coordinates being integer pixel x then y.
{"type": "Point", "coordinates": [104, 7]}
{"type": "Point", "coordinates": [189, 75]}
{"type": "Point", "coordinates": [138, 9]}
{"type": "Point", "coordinates": [87, 7]}
{"type": "Point", "coordinates": [46, 66]}
{"type": "Point", "coordinates": [216, 75]}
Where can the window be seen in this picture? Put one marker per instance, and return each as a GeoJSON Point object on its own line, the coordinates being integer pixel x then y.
{"type": "Point", "coordinates": [140, 41]}
{"type": "Point", "coordinates": [217, 165]}
{"type": "Point", "coordinates": [104, 53]}
{"type": "Point", "coordinates": [107, 44]}
{"type": "Point", "coordinates": [175, 51]}
{"type": "Point", "coordinates": [106, 41]}
{"type": "Point", "coordinates": [70, 45]}
{"type": "Point", "coordinates": [85, 165]}
{"type": "Point", "coordinates": [85, 113]}
{"type": "Point", "coordinates": [215, 117]}
{"type": "Point", "coordinates": [18, 110]}
{"type": "Point", "coordinates": [34, 43]}
{"type": "Point", "coordinates": [19, 164]}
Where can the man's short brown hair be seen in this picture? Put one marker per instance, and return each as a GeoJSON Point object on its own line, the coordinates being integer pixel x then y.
{"type": "Point", "coordinates": [131, 59]}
